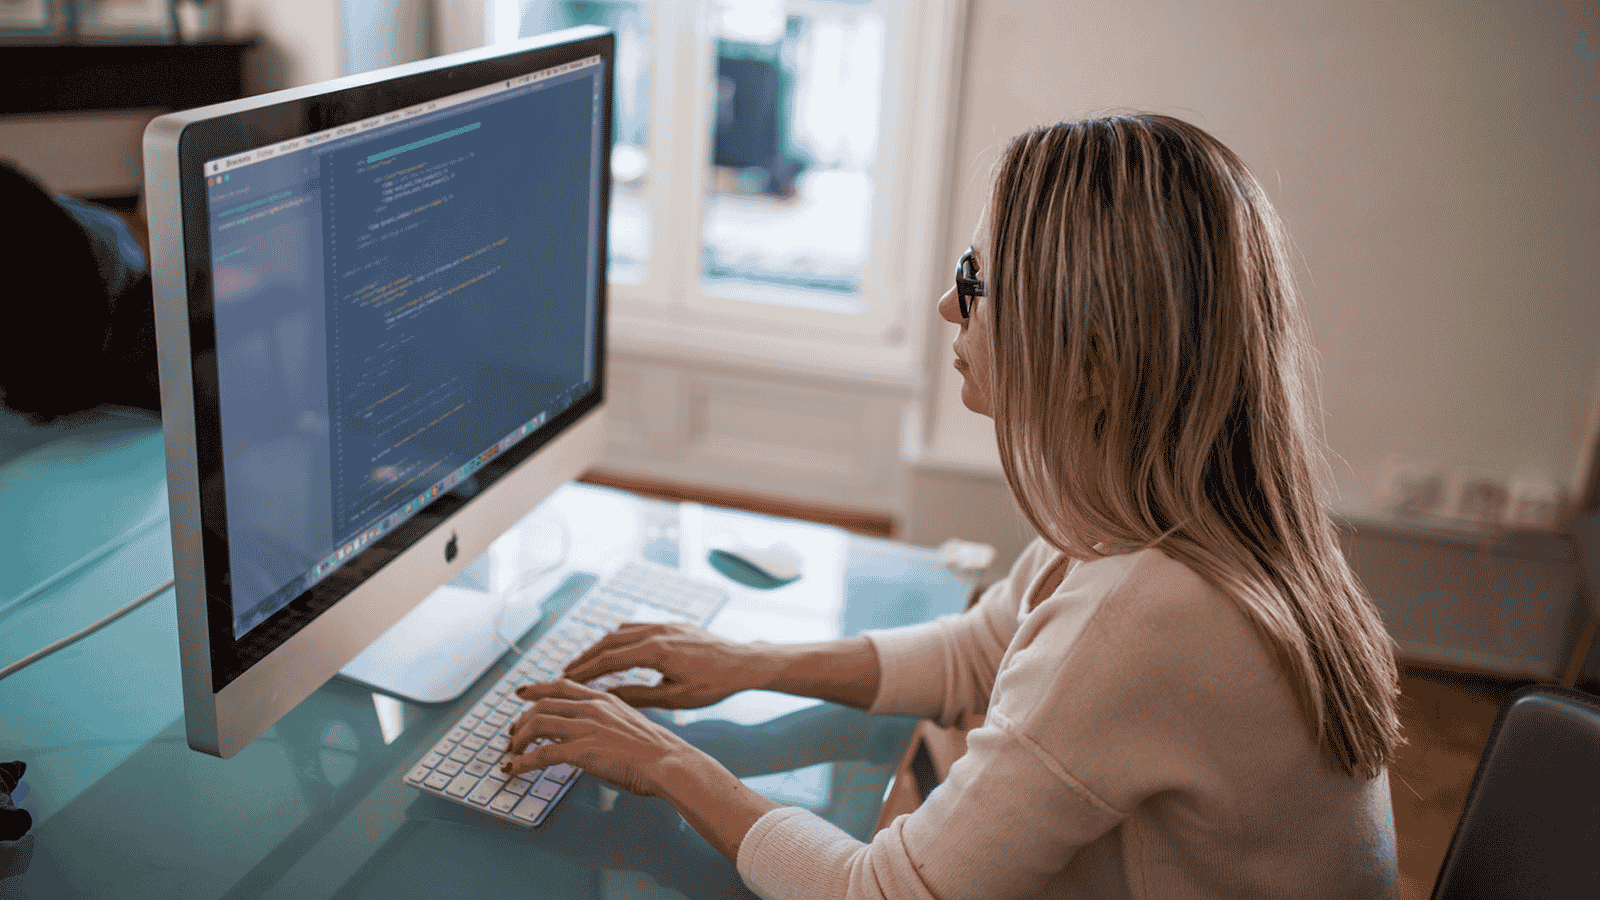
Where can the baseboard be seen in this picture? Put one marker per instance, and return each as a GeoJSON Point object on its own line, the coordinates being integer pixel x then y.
{"type": "Point", "coordinates": [868, 522]}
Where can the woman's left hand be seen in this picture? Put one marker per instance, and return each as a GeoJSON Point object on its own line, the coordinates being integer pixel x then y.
{"type": "Point", "coordinates": [596, 732]}
{"type": "Point", "coordinates": [604, 736]}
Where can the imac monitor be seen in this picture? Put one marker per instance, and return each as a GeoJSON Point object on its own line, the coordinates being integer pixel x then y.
{"type": "Point", "coordinates": [380, 314]}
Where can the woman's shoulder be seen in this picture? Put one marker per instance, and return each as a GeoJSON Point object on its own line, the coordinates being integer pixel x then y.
{"type": "Point", "coordinates": [1147, 583]}
{"type": "Point", "coordinates": [1141, 643]}
{"type": "Point", "coordinates": [1148, 615]}
{"type": "Point", "coordinates": [1033, 559]}
{"type": "Point", "coordinates": [1149, 572]}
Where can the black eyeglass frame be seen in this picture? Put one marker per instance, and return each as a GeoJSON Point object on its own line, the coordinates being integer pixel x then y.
{"type": "Point", "coordinates": [968, 285]}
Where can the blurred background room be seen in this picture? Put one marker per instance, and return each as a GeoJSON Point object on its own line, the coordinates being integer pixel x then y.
{"type": "Point", "coordinates": [793, 181]}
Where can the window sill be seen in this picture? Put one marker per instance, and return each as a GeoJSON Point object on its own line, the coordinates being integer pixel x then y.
{"type": "Point", "coordinates": [877, 365]}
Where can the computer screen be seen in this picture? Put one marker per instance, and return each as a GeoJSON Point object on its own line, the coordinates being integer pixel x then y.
{"type": "Point", "coordinates": [380, 323]}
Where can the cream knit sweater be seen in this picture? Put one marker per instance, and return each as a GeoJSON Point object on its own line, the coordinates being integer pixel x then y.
{"type": "Point", "coordinates": [1138, 742]}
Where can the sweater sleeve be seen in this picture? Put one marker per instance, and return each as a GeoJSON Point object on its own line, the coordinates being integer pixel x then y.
{"type": "Point", "coordinates": [1004, 800]}
{"type": "Point", "coordinates": [944, 670]}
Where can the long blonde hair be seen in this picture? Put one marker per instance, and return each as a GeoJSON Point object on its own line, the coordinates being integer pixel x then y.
{"type": "Point", "coordinates": [1153, 386]}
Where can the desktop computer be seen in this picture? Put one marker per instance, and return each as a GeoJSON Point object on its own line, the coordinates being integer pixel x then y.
{"type": "Point", "coordinates": [380, 310]}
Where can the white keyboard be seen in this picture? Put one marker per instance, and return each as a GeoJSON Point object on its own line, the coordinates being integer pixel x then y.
{"type": "Point", "coordinates": [464, 766]}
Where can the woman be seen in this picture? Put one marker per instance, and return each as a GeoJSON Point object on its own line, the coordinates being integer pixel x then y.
{"type": "Point", "coordinates": [1186, 692]}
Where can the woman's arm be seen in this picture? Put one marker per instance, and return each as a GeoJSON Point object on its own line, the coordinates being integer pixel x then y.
{"type": "Point", "coordinates": [843, 671]}
{"type": "Point", "coordinates": [712, 800]}
{"type": "Point", "coordinates": [699, 668]}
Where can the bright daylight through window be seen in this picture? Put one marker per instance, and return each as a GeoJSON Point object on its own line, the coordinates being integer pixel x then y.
{"type": "Point", "coordinates": [761, 167]}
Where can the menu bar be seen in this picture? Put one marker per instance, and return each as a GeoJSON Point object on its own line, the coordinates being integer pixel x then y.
{"type": "Point", "coordinates": [272, 151]}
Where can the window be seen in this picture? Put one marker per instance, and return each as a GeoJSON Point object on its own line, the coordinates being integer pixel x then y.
{"type": "Point", "coordinates": [777, 174]}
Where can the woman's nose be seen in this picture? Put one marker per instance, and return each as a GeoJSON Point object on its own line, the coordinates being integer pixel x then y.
{"type": "Point", "coordinates": [949, 309]}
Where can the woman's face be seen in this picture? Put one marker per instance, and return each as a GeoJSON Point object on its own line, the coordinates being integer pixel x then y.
{"type": "Point", "coordinates": [974, 345]}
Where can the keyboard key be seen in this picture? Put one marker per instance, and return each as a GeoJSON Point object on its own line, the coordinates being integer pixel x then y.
{"type": "Point", "coordinates": [560, 772]}
{"type": "Point", "coordinates": [490, 755]}
{"type": "Point", "coordinates": [519, 785]}
{"type": "Point", "coordinates": [418, 774]}
{"type": "Point", "coordinates": [500, 742]}
{"type": "Point", "coordinates": [461, 785]}
{"type": "Point", "coordinates": [473, 742]}
{"type": "Point", "coordinates": [478, 768]}
{"type": "Point", "coordinates": [486, 731]}
{"type": "Point", "coordinates": [503, 802]}
{"type": "Point", "coordinates": [449, 767]}
{"type": "Point", "coordinates": [431, 760]}
{"type": "Point", "coordinates": [510, 707]}
{"type": "Point", "coordinates": [530, 808]}
{"type": "Point", "coordinates": [496, 718]}
{"type": "Point", "coordinates": [462, 754]}
{"type": "Point", "coordinates": [456, 734]}
{"type": "Point", "coordinates": [546, 788]}
{"type": "Point", "coordinates": [438, 781]}
{"type": "Point", "coordinates": [444, 747]}
{"type": "Point", "coordinates": [483, 793]}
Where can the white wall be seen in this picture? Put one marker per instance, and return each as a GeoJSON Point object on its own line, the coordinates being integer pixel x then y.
{"type": "Point", "coordinates": [1437, 167]}
{"type": "Point", "coordinates": [299, 41]}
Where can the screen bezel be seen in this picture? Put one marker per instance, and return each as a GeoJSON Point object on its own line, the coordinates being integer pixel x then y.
{"type": "Point", "coordinates": [233, 133]}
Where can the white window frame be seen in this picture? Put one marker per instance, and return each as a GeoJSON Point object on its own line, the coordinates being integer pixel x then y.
{"type": "Point", "coordinates": [670, 316]}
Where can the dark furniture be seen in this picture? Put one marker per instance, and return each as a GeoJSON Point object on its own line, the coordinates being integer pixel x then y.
{"type": "Point", "coordinates": [41, 78]}
{"type": "Point", "coordinates": [1531, 828]}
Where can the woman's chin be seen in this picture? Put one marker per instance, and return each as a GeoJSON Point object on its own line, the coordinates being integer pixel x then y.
{"type": "Point", "coordinates": [974, 399]}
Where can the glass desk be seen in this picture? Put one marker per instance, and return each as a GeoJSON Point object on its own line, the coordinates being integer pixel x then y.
{"type": "Point", "coordinates": [316, 806]}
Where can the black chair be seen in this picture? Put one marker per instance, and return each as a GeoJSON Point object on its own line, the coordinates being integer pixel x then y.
{"type": "Point", "coordinates": [1532, 823]}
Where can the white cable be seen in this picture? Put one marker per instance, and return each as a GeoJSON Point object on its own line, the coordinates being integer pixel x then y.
{"type": "Point", "coordinates": [525, 579]}
{"type": "Point", "coordinates": [75, 637]}
{"type": "Point", "coordinates": [98, 553]}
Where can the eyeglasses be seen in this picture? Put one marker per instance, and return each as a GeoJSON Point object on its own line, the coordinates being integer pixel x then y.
{"type": "Point", "coordinates": [968, 285]}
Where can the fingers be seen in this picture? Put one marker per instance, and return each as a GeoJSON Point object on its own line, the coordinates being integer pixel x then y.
{"type": "Point", "coordinates": [621, 649]}
{"type": "Point", "coordinates": [605, 663]}
{"type": "Point", "coordinates": [621, 636]}
{"type": "Point", "coordinates": [561, 688]}
{"type": "Point", "coordinates": [558, 719]}
{"type": "Point", "coordinates": [539, 756]}
{"type": "Point", "coordinates": [638, 695]}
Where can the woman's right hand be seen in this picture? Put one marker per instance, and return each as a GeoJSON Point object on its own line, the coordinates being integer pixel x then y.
{"type": "Point", "coordinates": [697, 667]}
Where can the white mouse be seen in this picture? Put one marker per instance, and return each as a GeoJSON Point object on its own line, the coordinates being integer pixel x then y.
{"type": "Point", "coordinates": [758, 567]}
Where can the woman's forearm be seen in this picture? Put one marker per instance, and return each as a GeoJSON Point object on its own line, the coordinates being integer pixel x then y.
{"type": "Point", "coordinates": [843, 671]}
{"type": "Point", "coordinates": [712, 800]}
